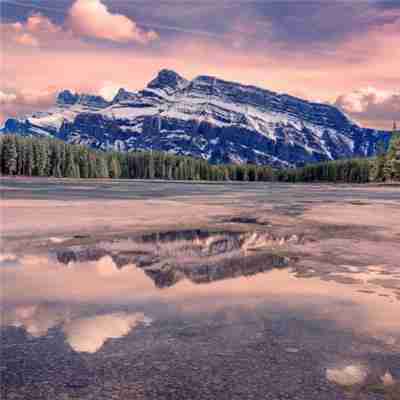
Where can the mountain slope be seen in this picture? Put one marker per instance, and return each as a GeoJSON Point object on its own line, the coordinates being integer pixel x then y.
{"type": "Point", "coordinates": [207, 117]}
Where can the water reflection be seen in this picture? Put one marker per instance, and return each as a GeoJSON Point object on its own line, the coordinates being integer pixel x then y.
{"type": "Point", "coordinates": [89, 334]}
{"type": "Point", "coordinates": [36, 319]}
{"type": "Point", "coordinates": [44, 280]}
{"type": "Point", "coordinates": [199, 256]}
{"type": "Point", "coordinates": [8, 260]}
{"type": "Point", "coordinates": [154, 312]}
{"type": "Point", "coordinates": [83, 333]}
{"type": "Point", "coordinates": [195, 255]}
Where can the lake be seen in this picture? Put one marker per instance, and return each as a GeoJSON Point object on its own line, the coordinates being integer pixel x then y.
{"type": "Point", "coordinates": [179, 290]}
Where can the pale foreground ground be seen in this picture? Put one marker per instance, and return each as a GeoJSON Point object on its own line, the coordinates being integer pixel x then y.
{"type": "Point", "coordinates": [42, 217]}
{"type": "Point", "coordinates": [49, 206]}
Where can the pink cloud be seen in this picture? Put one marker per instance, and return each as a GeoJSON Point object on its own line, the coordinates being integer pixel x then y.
{"type": "Point", "coordinates": [38, 30]}
{"type": "Point", "coordinates": [37, 23]}
{"type": "Point", "coordinates": [374, 107]}
{"type": "Point", "coordinates": [87, 18]}
{"type": "Point", "coordinates": [26, 39]}
{"type": "Point", "coordinates": [20, 102]}
{"type": "Point", "coordinates": [92, 18]}
{"type": "Point", "coordinates": [6, 98]}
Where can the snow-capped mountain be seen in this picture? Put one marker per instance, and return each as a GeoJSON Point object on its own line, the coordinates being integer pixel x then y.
{"type": "Point", "coordinates": [207, 117]}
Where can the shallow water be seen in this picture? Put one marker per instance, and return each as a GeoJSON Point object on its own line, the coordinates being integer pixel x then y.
{"type": "Point", "coordinates": [193, 315]}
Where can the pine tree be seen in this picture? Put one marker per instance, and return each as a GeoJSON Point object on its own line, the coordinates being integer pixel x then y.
{"type": "Point", "coordinates": [84, 163]}
{"type": "Point", "coordinates": [71, 170]}
{"type": "Point", "coordinates": [151, 167]}
{"type": "Point", "coordinates": [181, 171]}
{"type": "Point", "coordinates": [1, 157]}
{"type": "Point", "coordinates": [123, 162]}
{"type": "Point", "coordinates": [378, 165]}
{"type": "Point", "coordinates": [391, 168]}
{"type": "Point", "coordinates": [55, 161]}
{"type": "Point", "coordinates": [30, 159]}
{"type": "Point", "coordinates": [20, 142]}
{"type": "Point", "coordinates": [63, 158]}
{"type": "Point", "coordinates": [170, 173]}
{"type": "Point", "coordinates": [388, 170]}
{"type": "Point", "coordinates": [245, 176]}
{"type": "Point", "coordinates": [114, 167]}
{"type": "Point", "coordinates": [10, 156]}
{"type": "Point", "coordinates": [92, 166]}
{"type": "Point", "coordinates": [41, 158]}
{"type": "Point", "coordinates": [101, 167]}
{"type": "Point", "coordinates": [396, 169]}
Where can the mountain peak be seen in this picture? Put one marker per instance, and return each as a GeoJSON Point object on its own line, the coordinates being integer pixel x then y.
{"type": "Point", "coordinates": [206, 78]}
{"type": "Point", "coordinates": [66, 97]}
{"type": "Point", "coordinates": [124, 96]}
{"type": "Point", "coordinates": [167, 79]}
{"type": "Point", "coordinates": [90, 100]}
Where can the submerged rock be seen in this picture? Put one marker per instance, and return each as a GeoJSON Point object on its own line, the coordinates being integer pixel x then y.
{"type": "Point", "coordinates": [347, 376]}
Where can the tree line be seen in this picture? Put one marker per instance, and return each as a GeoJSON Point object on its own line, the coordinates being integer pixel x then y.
{"type": "Point", "coordinates": [30, 156]}
{"type": "Point", "coordinates": [346, 171]}
{"type": "Point", "coordinates": [385, 167]}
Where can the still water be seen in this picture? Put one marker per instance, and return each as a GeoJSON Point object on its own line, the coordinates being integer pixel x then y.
{"type": "Point", "coordinates": [194, 316]}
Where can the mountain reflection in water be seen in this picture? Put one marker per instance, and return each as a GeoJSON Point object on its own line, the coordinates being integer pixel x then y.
{"type": "Point", "coordinates": [41, 292]}
{"type": "Point", "coordinates": [195, 255]}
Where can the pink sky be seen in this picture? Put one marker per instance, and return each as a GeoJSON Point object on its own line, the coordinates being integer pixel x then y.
{"type": "Point", "coordinates": [94, 47]}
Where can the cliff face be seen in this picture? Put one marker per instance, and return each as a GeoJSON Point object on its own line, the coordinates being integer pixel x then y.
{"type": "Point", "coordinates": [209, 118]}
